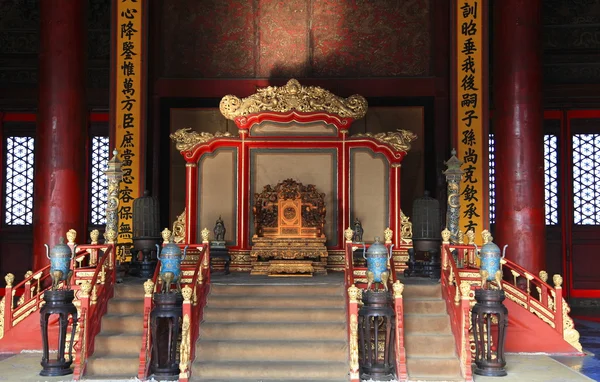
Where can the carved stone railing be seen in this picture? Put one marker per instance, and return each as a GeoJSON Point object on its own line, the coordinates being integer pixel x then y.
{"type": "Point", "coordinates": [93, 297]}
{"type": "Point", "coordinates": [456, 293]}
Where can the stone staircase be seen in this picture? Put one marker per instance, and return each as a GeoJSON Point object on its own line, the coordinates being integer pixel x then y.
{"type": "Point", "coordinates": [273, 332]}
{"type": "Point", "coordinates": [430, 347]}
{"type": "Point", "coordinates": [117, 347]}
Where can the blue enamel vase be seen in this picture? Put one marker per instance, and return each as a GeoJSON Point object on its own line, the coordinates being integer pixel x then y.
{"type": "Point", "coordinates": [490, 258]}
{"type": "Point", "coordinates": [170, 259]}
{"type": "Point", "coordinates": [60, 258]}
{"type": "Point", "coordinates": [377, 257]}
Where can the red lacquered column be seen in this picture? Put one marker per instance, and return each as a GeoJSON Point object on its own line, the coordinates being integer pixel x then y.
{"type": "Point", "coordinates": [518, 114]}
{"type": "Point", "coordinates": [62, 120]}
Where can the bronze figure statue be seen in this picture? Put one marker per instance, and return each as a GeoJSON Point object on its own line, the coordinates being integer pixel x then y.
{"type": "Point", "coordinates": [219, 230]}
{"type": "Point", "coordinates": [358, 231]}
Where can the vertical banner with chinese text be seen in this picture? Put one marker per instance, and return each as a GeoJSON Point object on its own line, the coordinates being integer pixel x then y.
{"type": "Point", "coordinates": [470, 16]}
{"type": "Point", "coordinates": [128, 97]}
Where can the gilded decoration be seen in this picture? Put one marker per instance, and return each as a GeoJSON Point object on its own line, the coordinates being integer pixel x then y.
{"type": "Point", "coordinates": [406, 229]}
{"type": "Point", "coordinates": [558, 280]}
{"type": "Point", "coordinates": [398, 288]}
{"type": "Point", "coordinates": [166, 235]}
{"type": "Point", "coordinates": [71, 236]}
{"type": "Point", "coordinates": [544, 276]}
{"type": "Point", "coordinates": [399, 139]}
{"type": "Point", "coordinates": [9, 278]}
{"type": "Point", "coordinates": [179, 228]}
{"type": "Point", "coordinates": [2, 303]}
{"type": "Point", "coordinates": [293, 97]}
{"type": "Point", "coordinates": [186, 292]}
{"type": "Point", "coordinates": [185, 138]}
{"type": "Point", "coordinates": [570, 334]}
{"type": "Point", "coordinates": [353, 343]}
{"type": "Point", "coordinates": [94, 235]}
{"type": "Point", "coordinates": [148, 288]}
{"type": "Point", "coordinates": [354, 294]}
{"type": "Point", "coordinates": [348, 234]}
{"type": "Point", "coordinates": [205, 234]}
{"type": "Point", "coordinates": [184, 348]}
{"type": "Point", "coordinates": [388, 234]}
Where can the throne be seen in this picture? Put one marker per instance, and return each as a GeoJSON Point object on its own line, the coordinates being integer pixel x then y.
{"type": "Point", "coordinates": [288, 226]}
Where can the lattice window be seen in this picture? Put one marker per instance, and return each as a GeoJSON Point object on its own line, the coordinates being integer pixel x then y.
{"type": "Point", "coordinates": [19, 180]}
{"type": "Point", "coordinates": [551, 178]}
{"type": "Point", "coordinates": [99, 183]}
{"type": "Point", "coordinates": [586, 179]}
{"type": "Point", "coordinates": [492, 178]}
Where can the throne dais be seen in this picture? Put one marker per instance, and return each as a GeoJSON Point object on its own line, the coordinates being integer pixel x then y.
{"type": "Point", "coordinates": [288, 226]}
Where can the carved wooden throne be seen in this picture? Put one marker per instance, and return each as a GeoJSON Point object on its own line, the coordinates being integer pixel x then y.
{"type": "Point", "coordinates": [288, 226]}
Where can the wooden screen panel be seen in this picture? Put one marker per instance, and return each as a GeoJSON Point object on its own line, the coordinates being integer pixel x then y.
{"type": "Point", "coordinates": [369, 193]}
{"type": "Point", "coordinates": [217, 192]}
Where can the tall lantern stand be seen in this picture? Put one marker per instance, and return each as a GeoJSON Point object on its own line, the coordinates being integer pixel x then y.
{"type": "Point", "coordinates": [165, 321]}
{"type": "Point", "coordinates": [376, 322]}
{"type": "Point", "coordinates": [146, 233]}
{"type": "Point", "coordinates": [489, 319]}
{"type": "Point", "coordinates": [58, 302]}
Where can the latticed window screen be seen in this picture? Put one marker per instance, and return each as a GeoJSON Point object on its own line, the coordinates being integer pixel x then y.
{"type": "Point", "coordinates": [586, 179]}
{"type": "Point", "coordinates": [551, 178]}
{"type": "Point", "coordinates": [99, 184]}
{"type": "Point", "coordinates": [19, 180]}
{"type": "Point", "coordinates": [492, 179]}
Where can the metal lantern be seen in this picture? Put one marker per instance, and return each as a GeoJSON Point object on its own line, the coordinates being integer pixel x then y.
{"type": "Point", "coordinates": [58, 302]}
{"type": "Point", "coordinates": [376, 322]}
{"type": "Point", "coordinates": [60, 263]}
{"type": "Point", "coordinates": [489, 319]}
{"type": "Point", "coordinates": [146, 232]}
{"type": "Point", "coordinates": [426, 224]}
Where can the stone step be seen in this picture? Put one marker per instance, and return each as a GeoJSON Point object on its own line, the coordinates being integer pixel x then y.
{"type": "Point", "coordinates": [273, 315]}
{"type": "Point", "coordinates": [278, 301]}
{"type": "Point", "coordinates": [424, 306]}
{"type": "Point", "coordinates": [129, 291]}
{"type": "Point", "coordinates": [277, 289]}
{"type": "Point", "coordinates": [273, 330]}
{"type": "Point", "coordinates": [429, 345]}
{"type": "Point", "coordinates": [125, 306]}
{"type": "Point", "coordinates": [430, 368]}
{"type": "Point", "coordinates": [418, 291]}
{"type": "Point", "coordinates": [115, 366]}
{"type": "Point", "coordinates": [118, 343]}
{"type": "Point", "coordinates": [426, 324]}
{"type": "Point", "coordinates": [323, 351]}
{"type": "Point", "coordinates": [123, 323]}
{"type": "Point", "coordinates": [269, 371]}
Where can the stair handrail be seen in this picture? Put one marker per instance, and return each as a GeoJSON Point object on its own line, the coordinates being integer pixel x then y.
{"type": "Point", "coordinates": [456, 295]}
{"type": "Point", "coordinates": [145, 358]}
{"type": "Point", "coordinates": [549, 305]}
{"type": "Point", "coordinates": [31, 291]}
{"type": "Point", "coordinates": [194, 300]}
{"type": "Point", "coordinates": [93, 296]}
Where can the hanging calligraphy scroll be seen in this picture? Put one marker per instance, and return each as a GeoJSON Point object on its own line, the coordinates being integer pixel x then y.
{"type": "Point", "coordinates": [470, 16]}
{"type": "Point", "coordinates": [128, 93]}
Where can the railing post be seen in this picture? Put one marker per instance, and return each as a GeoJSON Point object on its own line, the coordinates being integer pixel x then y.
{"type": "Point", "coordinates": [8, 302]}
{"type": "Point", "coordinates": [82, 345]}
{"type": "Point", "coordinates": [185, 347]}
{"type": "Point", "coordinates": [400, 349]}
{"type": "Point", "coordinates": [146, 340]}
{"type": "Point", "coordinates": [558, 304]}
{"type": "Point", "coordinates": [348, 234]}
{"type": "Point", "coordinates": [465, 356]}
{"type": "Point", "coordinates": [354, 296]}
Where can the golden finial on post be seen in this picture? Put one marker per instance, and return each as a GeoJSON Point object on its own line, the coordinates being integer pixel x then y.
{"type": "Point", "coordinates": [71, 236]}
{"type": "Point", "coordinates": [110, 236]}
{"type": "Point", "coordinates": [148, 288]}
{"type": "Point", "coordinates": [446, 236]}
{"type": "Point", "coordinates": [348, 234]}
{"type": "Point", "coordinates": [486, 236]}
{"type": "Point", "coordinates": [166, 235]}
{"type": "Point", "coordinates": [10, 279]}
{"type": "Point", "coordinates": [94, 235]}
{"type": "Point", "coordinates": [186, 292]}
{"type": "Point", "coordinates": [558, 280]}
{"type": "Point", "coordinates": [544, 276]}
{"type": "Point", "coordinates": [205, 235]}
{"type": "Point", "coordinates": [86, 288]}
{"type": "Point", "coordinates": [28, 274]}
{"type": "Point", "coordinates": [461, 237]}
{"type": "Point", "coordinates": [387, 234]}
{"type": "Point", "coordinates": [398, 288]}
{"type": "Point", "coordinates": [470, 236]}
{"type": "Point", "coordinates": [353, 294]}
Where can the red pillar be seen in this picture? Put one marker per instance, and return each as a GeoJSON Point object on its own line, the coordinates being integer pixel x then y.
{"type": "Point", "coordinates": [62, 121]}
{"type": "Point", "coordinates": [517, 91]}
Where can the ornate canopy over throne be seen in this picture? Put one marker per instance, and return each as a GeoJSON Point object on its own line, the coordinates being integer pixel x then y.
{"type": "Point", "coordinates": [288, 225]}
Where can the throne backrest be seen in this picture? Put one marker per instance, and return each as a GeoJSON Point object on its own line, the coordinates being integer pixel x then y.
{"type": "Point", "coordinates": [289, 209]}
